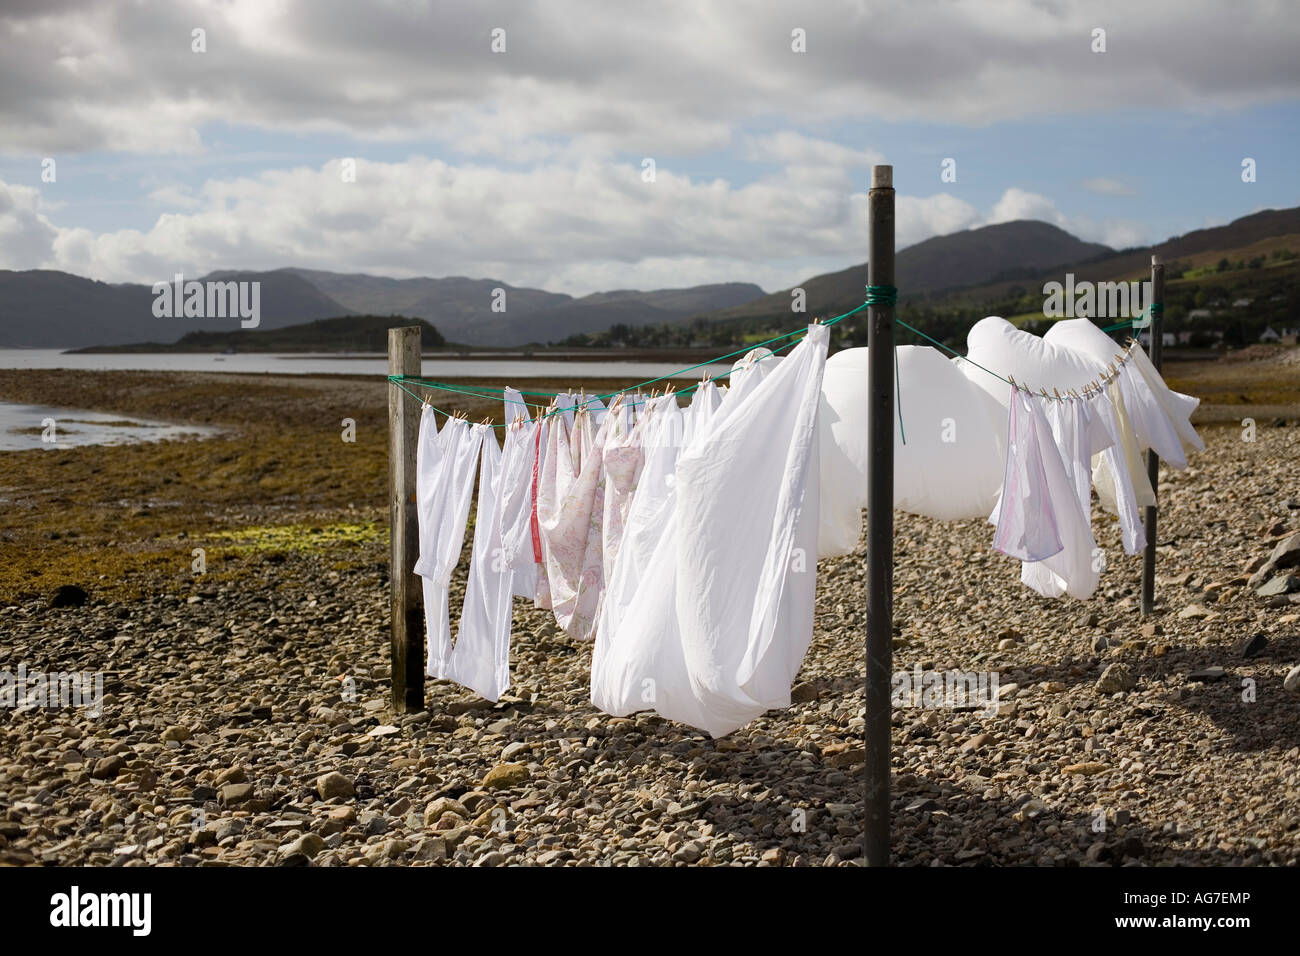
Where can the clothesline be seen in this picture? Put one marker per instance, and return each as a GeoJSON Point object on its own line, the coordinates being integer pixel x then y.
{"type": "Point", "coordinates": [628, 532]}
{"type": "Point", "coordinates": [640, 534]}
{"type": "Point", "coordinates": [874, 295]}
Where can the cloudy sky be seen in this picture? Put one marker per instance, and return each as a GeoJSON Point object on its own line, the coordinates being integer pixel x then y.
{"type": "Point", "coordinates": [528, 165]}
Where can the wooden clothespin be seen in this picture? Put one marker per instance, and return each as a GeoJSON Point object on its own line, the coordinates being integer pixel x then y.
{"type": "Point", "coordinates": [1058, 395]}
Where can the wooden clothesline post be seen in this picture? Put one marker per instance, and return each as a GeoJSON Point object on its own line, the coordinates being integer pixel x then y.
{"type": "Point", "coordinates": [405, 616]}
{"type": "Point", "coordinates": [1157, 305]}
{"type": "Point", "coordinates": [880, 516]}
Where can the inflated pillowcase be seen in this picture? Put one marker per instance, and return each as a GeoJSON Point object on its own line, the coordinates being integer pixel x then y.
{"type": "Point", "coordinates": [951, 466]}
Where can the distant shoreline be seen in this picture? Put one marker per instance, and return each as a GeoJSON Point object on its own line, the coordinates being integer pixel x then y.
{"type": "Point", "coordinates": [568, 353]}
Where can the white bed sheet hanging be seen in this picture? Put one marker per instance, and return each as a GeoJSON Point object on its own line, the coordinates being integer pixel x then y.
{"type": "Point", "coordinates": [516, 495]}
{"type": "Point", "coordinates": [444, 481]}
{"type": "Point", "coordinates": [480, 659]}
{"type": "Point", "coordinates": [722, 616]}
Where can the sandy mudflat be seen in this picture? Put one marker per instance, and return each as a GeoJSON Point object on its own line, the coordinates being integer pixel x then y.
{"type": "Point", "coordinates": [226, 706]}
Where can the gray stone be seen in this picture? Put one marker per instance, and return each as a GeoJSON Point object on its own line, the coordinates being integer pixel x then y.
{"type": "Point", "coordinates": [334, 784]}
{"type": "Point", "coordinates": [1292, 680]}
{"type": "Point", "coordinates": [1251, 646]}
{"type": "Point", "coordinates": [309, 844]}
{"type": "Point", "coordinates": [804, 692]}
{"type": "Point", "coordinates": [233, 794]}
{"type": "Point", "coordinates": [106, 768]}
{"type": "Point", "coordinates": [505, 775]}
{"type": "Point", "coordinates": [1286, 554]}
{"type": "Point", "coordinates": [512, 750]}
{"type": "Point", "coordinates": [1116, 678]}
{"type": "Point", "coordinates": [431, 850]}
{"type": "Point", "coordinates": [435, 810]}
{"type": "Point", "coordinates": [1279, 584]}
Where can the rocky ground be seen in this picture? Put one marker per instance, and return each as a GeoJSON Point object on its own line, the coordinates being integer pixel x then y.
{"type": "Point", "coordinates": [246, 718]}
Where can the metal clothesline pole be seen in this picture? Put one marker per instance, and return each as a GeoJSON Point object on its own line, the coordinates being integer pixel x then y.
{"type": "Point", "coordinates": [1153, 460]}
{"type": "Point", "coordinates": [880, 516]}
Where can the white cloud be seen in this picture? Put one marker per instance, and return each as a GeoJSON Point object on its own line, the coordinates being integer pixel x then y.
{"type": "Point", "coordinates": [1105, 186]}
{"type": "Point", "coordinates": [790, 148]}
{"type": "Point", "coordinates": [918, 218]}
{"type": "Point", "coordinates": [671, 76]}
{"type": "Point", "coordinates": [26, 236]}
{"type": "Point", "coordinates": [1018, 203]}
{"type": "Point", "coordinates": [174, 196]}
{"type": "Point", "coordinates": [566, 227]}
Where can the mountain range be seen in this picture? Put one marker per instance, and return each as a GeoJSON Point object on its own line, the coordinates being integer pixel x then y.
{"type": "Point", "coordinates": [51, 309]}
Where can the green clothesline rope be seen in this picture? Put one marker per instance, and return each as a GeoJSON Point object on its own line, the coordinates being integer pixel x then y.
{"type": "Point", "coordinates": [875, 295]}
{"type": "Point", "coordinates": [1150, 312]}
{"type": "Point", "coordinates": [949, 349]}
{"type": "Point", "coordinates": [485, 391]}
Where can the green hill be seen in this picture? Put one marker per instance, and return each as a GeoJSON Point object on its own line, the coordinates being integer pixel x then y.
{"type": "Point", "coordinates": [349, 333]}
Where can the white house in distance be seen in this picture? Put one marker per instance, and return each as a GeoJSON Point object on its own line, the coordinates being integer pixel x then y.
{"type": "Point", "coordinates": [1285, 337]}
{"type": "Point", "coordinates": [1166, 338]}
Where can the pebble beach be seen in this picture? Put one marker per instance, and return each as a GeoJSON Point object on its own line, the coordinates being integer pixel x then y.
{"type": "Point", "coordinates": [246, 717]}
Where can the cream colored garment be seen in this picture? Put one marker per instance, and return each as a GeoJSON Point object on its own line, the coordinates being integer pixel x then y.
{"type": "Point", "coordinates": [571, 519]}
{"type": "Point", "coordinates": [1101, 477]}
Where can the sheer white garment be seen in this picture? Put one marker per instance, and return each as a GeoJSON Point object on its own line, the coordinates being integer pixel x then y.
{"type": "Point", "coordinates": [568, 401]}
{"type": "Point", "coordinates": [1024, 516]}
{"type": "Point", "coordinates": [1149, 390]}
{"type": "Point", "coordinates": [596, 408]}
{"type": "Point", "coordinates": [660, 426]}
{"type": "Point", "coordinates": [480, 659]}
{"type": "Point", "coordinates": [517, 495]}
{"type": "Point", "coordinates": [541, 439]}
{"type": "Point", "coordinates": [704, 403]}
{"type": "Point", "coordinates": [1177, 406]}
{"type": "Point", "coordinates": [1073, 570]}
{"type": "Point", "coordinates": [1130, 460]}
{"type": "Point", "coordinates": [722, 617]}
{"type": "Point", "coordinates": [623, 460]}
{"type": "Point", "coordinates": [750, 369]}
{"type": "Point", "coordinates": [444, 483]}
{"type": "Point", "coordinates": [1112, 464]}
{"type": "Point", "coordinates": [570, 517]}
{"type": "Point", "coordinates": [1151, 424]}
